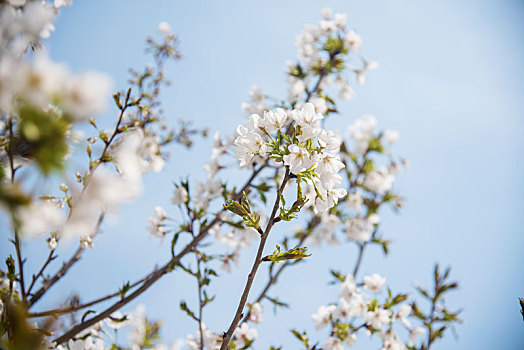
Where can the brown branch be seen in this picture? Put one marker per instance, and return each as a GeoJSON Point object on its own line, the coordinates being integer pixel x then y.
{"type": "Point", "coordinates": [57, 312]}
{"type": "Point", "coordinates": [154, 276]}
{"type": "Point", "coordinates": [20, 263]}
{"type": "Point", "coordinates": [258, 260]}
{"type": "Point", "coordinates": [148, 282]}
{"type": "Point", "coordinates": [16, 241]}
{"type": "Point", "coordinates": [362, 246]}
{"type": "Point", "coordinates": [78, 254]}
{"type": "Point", "coordinates": [50, 258]}
{"type": "Point", "coordinates": [313, 223]}
{"type": "Point", "coordinates": [65, 268]}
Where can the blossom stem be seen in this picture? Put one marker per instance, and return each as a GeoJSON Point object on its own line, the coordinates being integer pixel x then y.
{"type": "Point", "coordinates": [258, 260]}
{"type": "Point", "coordinates": [361, 249]}
{"type": "Point", "coordinates": [273, 278]}
{"type": "Point", "coordinates": [200, 303]}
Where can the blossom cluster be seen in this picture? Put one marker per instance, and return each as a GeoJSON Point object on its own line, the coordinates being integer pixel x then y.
{"type": "Point", "coordinates": [356, 310]}
{"type": "Point", "coordinates": [368, 187]}
{"type": "Point", "coordinates": [324, 48]}
{"type": "Point", "coordinates": [42, 82]}
{"type": "Point", "coordinates": [310, 152]}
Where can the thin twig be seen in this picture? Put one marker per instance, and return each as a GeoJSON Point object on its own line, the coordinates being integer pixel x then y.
{"type": "Point", "coordinates": [200, 303]}
{"type": "Point", "coordinates": [362, 246]}
{"type": "Point", "coordinates": [57, 312]}
{"type": "Point", "coordinates": [50, 258]}
{"type": "Point", "coordinates": [16, 241]}
{"type": "Point", "coordinates": [65, 268]}
{"type": "Point", "coordinates": [20, 264]}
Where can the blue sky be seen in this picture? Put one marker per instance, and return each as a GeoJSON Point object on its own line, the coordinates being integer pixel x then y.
{"type": "Point", "coordinates": [451, 80]}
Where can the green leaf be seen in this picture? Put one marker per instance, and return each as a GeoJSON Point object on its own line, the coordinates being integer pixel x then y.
{"type": "Point", "coordinates": [294, 253]}
{"type": "Point", "coordinates": [125, 288]}
{"type": "Point", "coordinates": [185, 308]}
{"type": "Point", "coordinates": [302, 337]}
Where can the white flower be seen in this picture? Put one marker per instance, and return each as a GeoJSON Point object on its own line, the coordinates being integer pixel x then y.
{"type": "Point", "coordinates": [180, 196]}
{"type": "Point", "coordinates": [329, 141]}
{"type": "Point", "coordinates": [348, 287]}
{"type": "Point", "coordinates": [297, 88]}
{"type": "Point", "coordinates": [374, 282]}
{"type": "Point", "coordinates": [358, 306]}
{"type": "Point", "coordinates": [308, 120]}
{"type": "Point", "coordinates": [86, 94]}
{"type": "Point", "coordinates": [255, 94]}
{"type": "Point", "coordinates": [40, 217]}
{"type": "Point", "coordinates": [62, 3]}
{"type": "Point", "coordinates": [326, 13]}
{"type": "Point", "coordinates": [156, 224]}
{"type": "Point", "coordinates": [52, 243]}
{"type": "Point", "coordinates": [117, 320]}
{"type": "Point", "coordinates": [358, 229]}
{"type": "Point", "coordinates": [333, 343]}
{"type": "Point", "coordinates": [164, 28]}
{"type": "Point", "coordinates": [137, 321]}
{"type": "Point", "coordinates": [326, 231]}
{"type": "Point", "coordinates": [255, 313]}
{"type": "Point", "coordinates": [353, 40]}
{"type": "Point", "coordinates": [323, 316]}
{"type": "Point", "coordinates": [86, 242]}
{"type": "Point", "coordinates": [379, 180]}
{"type": "Point", "coordinates": [414, 334]}
{"type": "Point", "coordinates": [209, 340]}
{"type": "Point", "coordinates": [392, 341]}
{"type": "Point", "coordinates": [320, 104]}
{"type": "Point", "coordinates": [274, 121]}
{"type": "Point", "coordinates": [346, 92]}
{"type": "Point", "coordinates": [104, 192]}
{"type": "Point", "coordinates": [343, 309]}
{"type": "Point", "coordinates": [238, 238]}
{"type": "Point", "coordinates": [249, 142]}
{"type": "Point", "coordinates": [327, 27]}
{"type": "Point", "coordinates": [391, 136]}
{"type": "Point", "coordinates": [330, 199]}
{"type": "Point", "coordinates": [377, 318]}
{"type": "Point", "coordinates": [402, 314]}
{"type": "Point", "coordinates": [351, 339]}
{"type": "Point", "coordinates": [244, 334]}
{"type": "Point", "coordinates": [354, 201]}
{"type": "Point", "coordinates": [328, 164]}
{"type": "Point", "coordinates": [226, 262]}
{"type": "Point", "coordinates": [298, 159]}
{"type": "Point", "coordinates": [340, 20]}
{"type": "Point", "coordinates": [177, 344]}
{"type": "Point", "coordinates": [86, 344]}
{"type": "Point", "coordinates": [361, 131]}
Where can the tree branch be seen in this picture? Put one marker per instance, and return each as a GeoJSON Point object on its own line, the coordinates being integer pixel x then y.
{"type": "Point", "coordinates": [65, 267]}
{"type": "Point", "coordinates": [50, 258]}
{"type": "Point", "coordinates": [258, 260]}
{"type": "Point", "coordinates": [154, 276]}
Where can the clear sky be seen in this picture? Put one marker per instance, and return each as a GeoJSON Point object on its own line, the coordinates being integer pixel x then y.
{"type": "Point", "coordinates": [451, 81]}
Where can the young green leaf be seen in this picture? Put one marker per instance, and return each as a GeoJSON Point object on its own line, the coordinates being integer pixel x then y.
{"type": "Point", "coordinates": [294, 253]}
